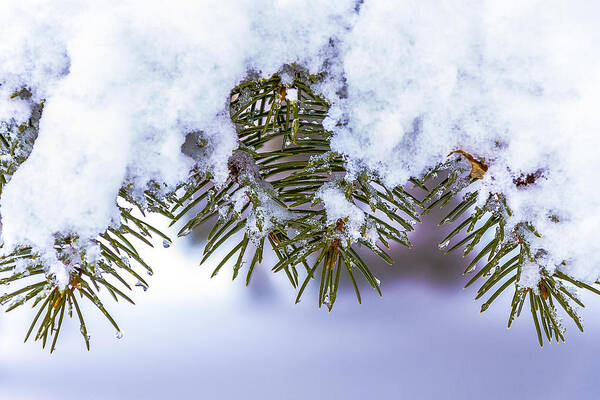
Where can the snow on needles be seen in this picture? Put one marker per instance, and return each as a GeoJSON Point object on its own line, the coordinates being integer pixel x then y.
{"type": "Point", "coordinates": [123, 83]}
{"type": "Point", "coordinates": [339, 208]}
{"type": "Point", "coordinates": [514, 82]}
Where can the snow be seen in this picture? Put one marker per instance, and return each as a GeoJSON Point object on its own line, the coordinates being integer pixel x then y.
{"type": "Point", "coordinates": [264, 216]}
{"type": "Point", "coordinates": [292, 94]}
{"type": "Point", "coordinates": [21, 265]}
{"type": "Point", "coordinates": [337, 207]}
{"type": "Point", "coordinates": [530, 276]}
{"type": "Point", "coordinates": [516, 83]}
{"type": "Point", "coordinates": [123, 83]}
{"type": "Point", "coordinates": [265, 212]}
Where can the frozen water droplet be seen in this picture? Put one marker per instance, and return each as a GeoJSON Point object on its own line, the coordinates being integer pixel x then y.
{"type": "Point", "coordinates": [443, 244]}
{"type": "Point", "coordinates": [378, 282]}
{"type": "Point", "coordinates": [166, 244]}
{"type": "Point", "coordinates": [119, 335]}
{"type": "Point", "coordinates": [142, 285]}
{"type": "Point", "coordinates": [327, 301]}
{"type": "Point", "coordinates": [17, 301]}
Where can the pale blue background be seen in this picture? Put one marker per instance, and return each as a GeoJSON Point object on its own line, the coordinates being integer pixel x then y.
{"type": "Point", "coordinates": [191, 338]}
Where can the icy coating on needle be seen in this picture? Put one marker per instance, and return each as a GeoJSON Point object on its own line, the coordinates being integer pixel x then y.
{"type": "Point", "coordinates": [515, 83]}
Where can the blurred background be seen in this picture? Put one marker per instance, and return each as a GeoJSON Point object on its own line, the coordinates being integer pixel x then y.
{"type": "Point", "coordinates": [192, 337]}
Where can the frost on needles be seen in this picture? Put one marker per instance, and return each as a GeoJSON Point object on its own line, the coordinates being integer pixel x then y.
{"type": "Point", "coordinates": [331, 139]}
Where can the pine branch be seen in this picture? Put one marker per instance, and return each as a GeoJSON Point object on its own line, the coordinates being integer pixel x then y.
{"type": "Point", "coordinates": [288, 193]}
{"type": "Point", "coordinates": [111, 269]}
{"type": "Point", "coordinates": [283, 165]}
{"type": "Point", "coordinates": [503, 255]}
{"type": "Point", "coordinates": [31, 277]}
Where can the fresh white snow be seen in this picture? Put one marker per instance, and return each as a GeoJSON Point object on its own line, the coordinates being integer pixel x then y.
{"type": "Point", "coordinates": [516, 83]}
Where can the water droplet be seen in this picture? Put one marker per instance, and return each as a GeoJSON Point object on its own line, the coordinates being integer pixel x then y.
{"type": "Point", "coordinates": [327, 301]}
{"type": "Point", "coordinates": [166, 244]}
{"type": "Point", "coordinates": [119, 335]}
{"type": "Point", "coordinates": [142, 285]}
{"type": "Point", "coordinates": [17, 301]}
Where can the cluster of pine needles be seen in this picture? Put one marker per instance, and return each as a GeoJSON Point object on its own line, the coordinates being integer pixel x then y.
{"type": "Point", "coordinates": [272, 201]}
